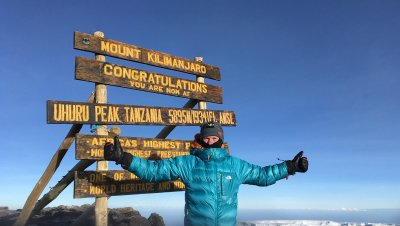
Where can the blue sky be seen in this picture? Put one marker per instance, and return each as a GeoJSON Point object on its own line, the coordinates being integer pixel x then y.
{"type": "Point", "coordinates": [318, 76]}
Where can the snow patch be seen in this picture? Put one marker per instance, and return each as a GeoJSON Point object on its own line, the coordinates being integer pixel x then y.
{"type": "Point", "coordinates": [305, 222]}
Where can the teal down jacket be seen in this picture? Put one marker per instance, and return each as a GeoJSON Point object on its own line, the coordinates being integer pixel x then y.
{"type": "Point", "coordinates": [212, 180]}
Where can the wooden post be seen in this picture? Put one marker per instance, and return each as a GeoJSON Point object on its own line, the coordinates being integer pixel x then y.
{"type": "Point", "coordinates": [101, 213]}
{"type": "Point", "coordinates": [202, 104]}
{"type": "Point", "coordinates": [48, 173]}
{"type": "Point", "coordinates": [60, 186]}
{"type": "Point", "coordinates": [161, 135]}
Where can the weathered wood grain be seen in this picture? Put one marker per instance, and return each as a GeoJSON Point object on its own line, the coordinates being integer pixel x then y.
{"type": "Point", "coordinates": [48, 173]}
{"type": "Point", "coordinates": [90, 43]}
{"type": "Point", "coordinates": [91, 147]}
{"type": "Point", "coordinates": [132, 78]}
{"type": "Point", "coordinates": [118, 182]}
{"type": "Point", "coordinates": [101, 206]}
{"type": "Point", "coordinates": [65, 112]}
{"type": "Point", "coordinates": [82, 165]}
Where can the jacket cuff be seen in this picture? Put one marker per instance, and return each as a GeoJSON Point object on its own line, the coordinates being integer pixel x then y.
{"type": "Point", "coordinates": [290, 167]}
{"type": "Point", "coordinates": [126, 160]}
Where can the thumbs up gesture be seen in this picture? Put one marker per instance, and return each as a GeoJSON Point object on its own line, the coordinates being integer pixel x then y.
{"type": "Point", "coordinates": [114, 151]}
{"type": "Point", "coordinates": [297, 164]}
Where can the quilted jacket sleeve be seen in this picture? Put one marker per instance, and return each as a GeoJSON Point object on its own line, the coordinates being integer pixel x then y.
{"type": "Point", "coordinates": [262, 176]}
{"type": "Point", "coordinates": [160, 170]}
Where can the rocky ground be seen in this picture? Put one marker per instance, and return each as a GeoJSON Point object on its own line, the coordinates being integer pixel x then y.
{"type": "Point", "coordinates": [67, 215]}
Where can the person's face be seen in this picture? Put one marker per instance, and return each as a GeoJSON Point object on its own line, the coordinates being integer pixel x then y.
{"type": "Point", "coordinates": [210, 139]}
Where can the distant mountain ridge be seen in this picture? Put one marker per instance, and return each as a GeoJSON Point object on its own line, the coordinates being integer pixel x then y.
{"type": "Point", "coordinates": [66, 215]}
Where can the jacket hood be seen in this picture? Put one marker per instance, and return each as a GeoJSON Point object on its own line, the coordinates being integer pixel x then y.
{"type": "Point", "coordinates": [210, 153]}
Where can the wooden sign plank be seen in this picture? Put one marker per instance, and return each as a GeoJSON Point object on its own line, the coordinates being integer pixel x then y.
{"type": "Point", "coordinates": [65, 112]}
{"type": "Point", "coordinates": [116, 75]}
{"type": "Point", "coordinates": [92, 147]}
{"type": "Point", "coordinates": [118, 182]}
{"type": "Point", "coordinates": [108, 47]}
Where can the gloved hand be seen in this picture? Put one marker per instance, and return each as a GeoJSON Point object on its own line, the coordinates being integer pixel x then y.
{"type": "Point", "coordinates": [114, 152]}
{"type": "Point", "coordinates": [297, 164]}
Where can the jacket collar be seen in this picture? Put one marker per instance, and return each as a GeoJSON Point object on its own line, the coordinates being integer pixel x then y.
{"type": "Point", "coordinates": [210, 153]}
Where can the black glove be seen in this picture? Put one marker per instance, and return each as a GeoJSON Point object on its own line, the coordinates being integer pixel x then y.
{"type": "Point", "coordinates": [114, 152]}
{"type": "Point", "coordinates": [298, 164]}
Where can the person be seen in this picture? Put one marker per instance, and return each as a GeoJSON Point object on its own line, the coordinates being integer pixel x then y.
{"type": "Point", "coordinates": [211, 176]}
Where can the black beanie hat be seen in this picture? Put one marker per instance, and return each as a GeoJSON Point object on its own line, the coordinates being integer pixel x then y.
{"type": "Point", "coordinates": [211, 129]}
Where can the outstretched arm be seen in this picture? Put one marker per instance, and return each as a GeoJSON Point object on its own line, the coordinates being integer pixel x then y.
{"type": "Point", "coordinates": [268, 175]}
{"type": "Point", "coordinates": [262, 176]}
{"type": "Point", "coordinates": [158, 170]}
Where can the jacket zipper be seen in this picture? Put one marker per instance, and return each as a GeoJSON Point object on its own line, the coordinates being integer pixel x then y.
{"type": "Point", "coordinates": [218, 192]}
{"type": "Point", "coordinates": [220, 183]}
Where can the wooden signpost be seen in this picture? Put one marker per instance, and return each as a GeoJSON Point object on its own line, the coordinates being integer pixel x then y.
{"type": "Point", "coordinates": [64, 112]}
{"type": "Point", "coordinates": [118, 182]}
{"type": "Point", "coordinates": [108, 47]}
{"type": "Point", "coordinates": [103, 183]}
{"type": "Point", "coordinates": [109, 183]}
{"type": "Point", "coordinates": [132, 78]}
{"type": "Point", "coordinates": [91, 147]}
